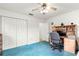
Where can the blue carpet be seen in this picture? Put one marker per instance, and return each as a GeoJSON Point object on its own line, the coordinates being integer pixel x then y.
{"type": "Point", "coordinates": [37, 49]}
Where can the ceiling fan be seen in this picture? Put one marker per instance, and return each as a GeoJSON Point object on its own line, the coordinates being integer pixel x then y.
{"type": "Point", "coordinates": [44, 8]}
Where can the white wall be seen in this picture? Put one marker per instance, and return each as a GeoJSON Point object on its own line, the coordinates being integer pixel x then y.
{"type": "Point", "coordinates": [66, 18]}
{"type": "Point", "coordinates": [18, 31]}
{"type": "Point", "coordinates": [44, 31]}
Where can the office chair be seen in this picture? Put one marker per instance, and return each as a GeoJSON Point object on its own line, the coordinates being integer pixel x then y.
{"type": "Point", "coordinates": [56, 41]}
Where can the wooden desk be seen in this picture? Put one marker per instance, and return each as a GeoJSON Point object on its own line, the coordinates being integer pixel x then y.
{"type": "Point", "coordinates": [69, 45]}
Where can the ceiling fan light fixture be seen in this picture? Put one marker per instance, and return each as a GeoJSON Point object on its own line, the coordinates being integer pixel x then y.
{"type": "Point", "coordinates": [45, 8]}
{"type": "Point", "coordinates": [48, 8]}
{"type": "Point", "coordinates": [44, 11]}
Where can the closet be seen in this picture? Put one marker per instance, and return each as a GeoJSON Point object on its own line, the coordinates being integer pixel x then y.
{"type": "Point", "coordinates": [21, 32]}
{"type": "Point", "coordinates": [14, 32]}
{"type": "Point", "coordinates": [33, 32]}
{"type": "Point", "coordinates": [18, 32]}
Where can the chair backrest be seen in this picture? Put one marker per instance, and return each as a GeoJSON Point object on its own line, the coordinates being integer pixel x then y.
{"type": "Point", "coordinates": [55, 38]}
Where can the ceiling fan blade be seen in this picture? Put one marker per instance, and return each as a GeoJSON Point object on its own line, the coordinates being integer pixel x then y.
{"type": "Point", "coordinates": [36, 9]}
{"type": "Point", "coordinates": [53, 8]}
{"type": "Point", "coordinates": [31, 14]}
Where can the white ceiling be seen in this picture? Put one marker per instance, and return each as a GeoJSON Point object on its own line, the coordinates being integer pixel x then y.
{"type": "Point", "coordinates": [25, 8]}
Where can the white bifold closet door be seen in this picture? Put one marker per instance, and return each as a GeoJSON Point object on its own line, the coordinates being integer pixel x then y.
{"type": "Point", "coordinates": [9, 32]}
{"type": "Point", "coordinates": [21, 32]}
{"type": "Point", "coordinates": [33, 32]}
{"type": "Point", "coordinates": [14, 32]}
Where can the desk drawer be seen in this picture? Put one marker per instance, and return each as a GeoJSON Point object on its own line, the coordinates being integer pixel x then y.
{"type": "Point", "coordinates": [69, 45]}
